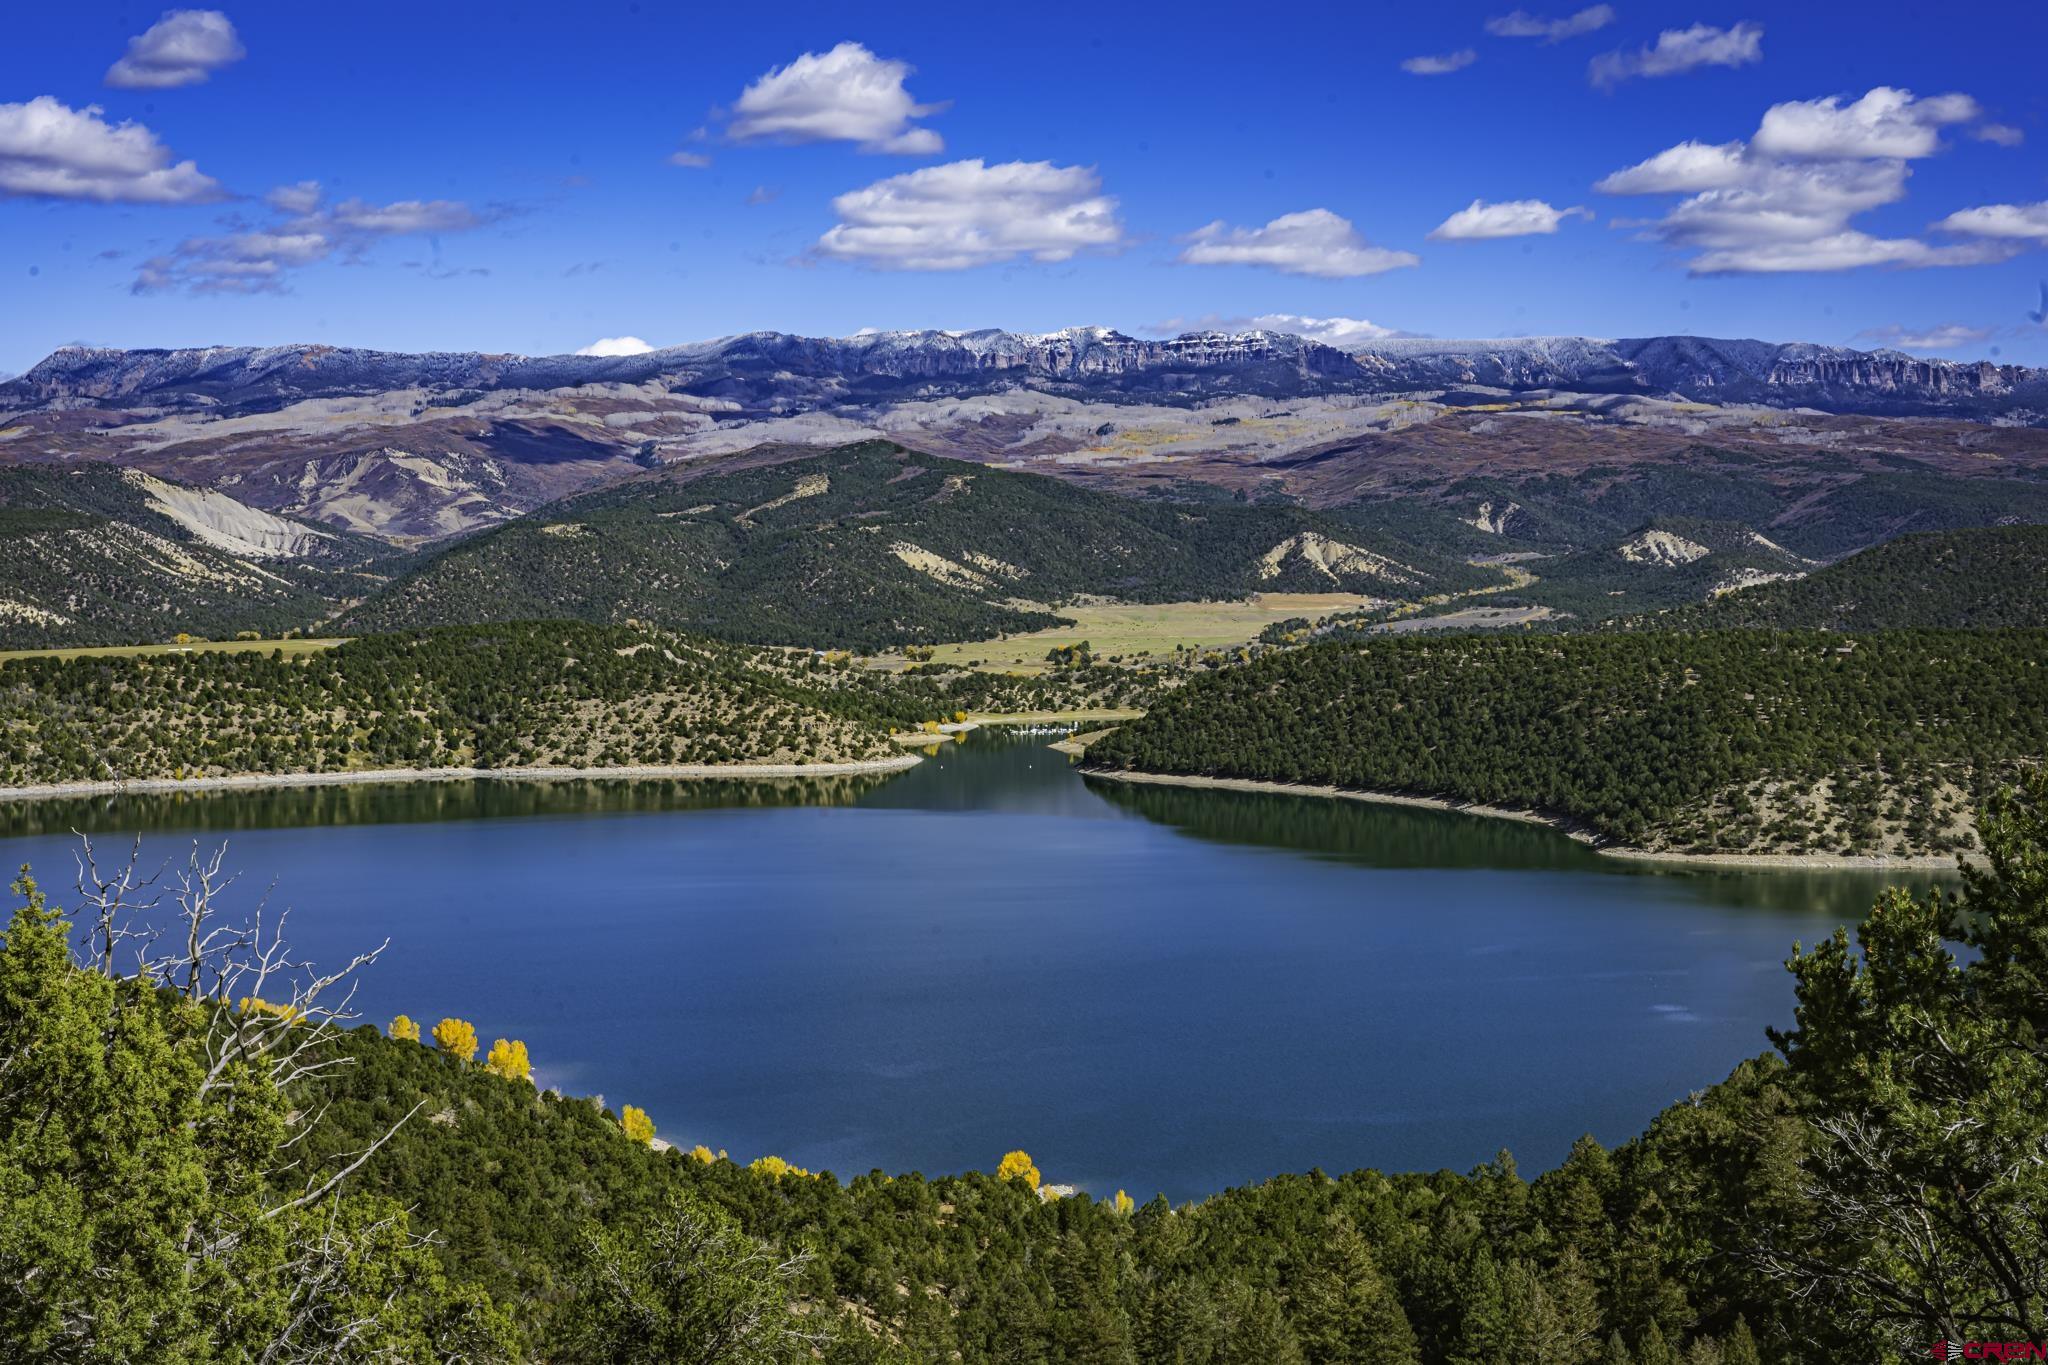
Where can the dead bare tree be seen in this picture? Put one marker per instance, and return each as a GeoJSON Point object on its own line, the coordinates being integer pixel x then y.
{"type": "Point", "coordinates": [269, 1018]}
{"type": "Point", "coordinates": [112, 900]}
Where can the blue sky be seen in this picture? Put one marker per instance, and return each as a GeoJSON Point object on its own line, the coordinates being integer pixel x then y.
{"type": "Point", "coordinates": [506, 177]}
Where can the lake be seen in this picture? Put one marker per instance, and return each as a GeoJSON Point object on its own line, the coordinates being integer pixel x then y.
{"type": "Point", "coordinates": [1150, 988]}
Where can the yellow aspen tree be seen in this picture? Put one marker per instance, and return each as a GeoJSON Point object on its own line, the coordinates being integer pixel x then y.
{"type": "Point", "coordinates": [702, 1153]}
{"type": "Point", "coordinates": [1017, 1166]}
{"type": "Point", "coordinates": [405, 1030]}
{"type": "Point", "coordinates": [457, 1038]}
{"type": "Point", "coordinates": [638, 1126]}
{"type": "Point", "coordinates": [1124, 1203]}
{"type": "Point", "coordinates": [507, 1058]}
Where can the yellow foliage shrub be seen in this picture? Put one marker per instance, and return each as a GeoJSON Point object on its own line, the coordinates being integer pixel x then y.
{"type": "Point", "coordinates": [1017, 1166]}
{"type": "Point", "coordinates": [702, 1153]}
{"type": "Point", "coordinates": [256, 1004]}
{"type": "Point", "coordinates": [776, 1167]}
{"type": "Point", "coordinates": [457, 1038]}
{"type": "Point", "coordinates": [405, 1030]}
{"type": "Point", "coordinates": [638, 1126]}
{"type": "Point", "coordinates": [508, 1059]}
{"type": "Point", "coordinates": [1124, 1204]}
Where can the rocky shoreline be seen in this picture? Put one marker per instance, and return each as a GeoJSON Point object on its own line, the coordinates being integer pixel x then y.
{"type": "Point", "coordinates": [242, 781]}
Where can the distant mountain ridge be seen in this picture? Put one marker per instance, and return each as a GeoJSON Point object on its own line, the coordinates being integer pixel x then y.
{"type": "Point", "coordinates": [775, 372]}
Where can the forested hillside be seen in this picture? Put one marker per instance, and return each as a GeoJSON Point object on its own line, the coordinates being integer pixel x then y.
{"type": "Point", "coordinates": [1723, 742]}
{"type": "Point", "coordinates": [435, 1205]}
{"type": "Point", "coordinates": [97, 555]}
{"type": "Point", "coordinates": [873, 545]}
{"type": "Point", "coordinates": [556, 694]}
{"type": "Point", "coordinates": [1665, 562]}
{"type": "Point", "coordinates": [1984, 578]}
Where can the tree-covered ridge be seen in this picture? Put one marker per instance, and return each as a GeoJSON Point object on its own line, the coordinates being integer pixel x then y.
{"type": "Point", "coordinates": [551, 694]}
{"type": "Point", "coordinates": [1730, 741]}
{"type": "Point", "coordinates": [873, 545]}
{"type": "Point", "coordinates": [86, 558]}
{"type": "Point", "coordinates": [1984, 578]}
{"type": "Point", "coordinates": [1664, 562]}
{"type": "Point", "coordinates": [1876, 1186]}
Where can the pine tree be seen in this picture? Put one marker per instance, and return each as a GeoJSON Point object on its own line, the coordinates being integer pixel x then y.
{"type": "Point", "coordinates": [1653, 1349]}
{"type": "Point", "coordinates": [1740, 1346]}
{"type": "Point", "coordinates": [1256, 1332]}
{"type": "Point", "coordinates": [1344, 1309]}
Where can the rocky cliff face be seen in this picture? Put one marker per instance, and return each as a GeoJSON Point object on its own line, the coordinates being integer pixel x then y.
{"type": "Point", "coordinates": [1834, 378]}
{"type": "Point", "coordinates": [773, 371]}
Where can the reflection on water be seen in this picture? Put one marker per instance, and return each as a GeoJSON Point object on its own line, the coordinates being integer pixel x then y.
{"type": "Point", "coordinates": [416, 803]}
{"type": "Point", "coordinates": [1407, 836]}
{"type": "Point", "coordinates": [1355, 831]}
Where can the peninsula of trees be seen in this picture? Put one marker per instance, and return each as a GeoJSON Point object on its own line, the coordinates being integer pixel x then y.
{"type": "Point", "coordinates": [1743, 742]}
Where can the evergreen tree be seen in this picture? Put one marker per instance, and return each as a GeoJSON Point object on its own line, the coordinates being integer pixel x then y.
{"type": "Point", "coordinates": [137, 1217]}
{"type": "Point", "coordinates": [1344, 1309]}
{"type": "Point", "coordinates": [689, 1285]}
{"type": "Point", "coordinates": [1255, 1330]}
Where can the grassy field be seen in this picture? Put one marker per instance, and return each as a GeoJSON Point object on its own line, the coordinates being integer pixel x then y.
{"type": "Point", "coordinates": [122, 651]}
{"type": "Point", "coordinates": [1148, 630]}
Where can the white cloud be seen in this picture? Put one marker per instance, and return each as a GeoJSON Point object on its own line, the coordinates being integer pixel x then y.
{"type": "Point", "coordinates": [1945, 337]}
{"type": "Point", "coordinates": [240, 263]}
{"type": "Point", "coordinates": [845, 95]}
{"type": "Point", "coordinates": [1481, 221]}
{"type": "Point", "coordinates": [299, 199]}
{"type": "Point", "coordinates": [406, 216]}
{"type": "Point", "coordinates": [258, 261]}
{"type": "Point", "coordinates": [1785, 200]}
{"type": "Point", "coordinates": [1781, 201]}
{"type": "Point", "coordinates": [1522, 24]}
{"type": "Point", "coordinates": [49, 150]}
{"type": "Point", "coordinates": [1685, 169]}
{"type": "Point", "coordinates": [1442, 65]}
{"type": "Point", "coordinates": [695, 161]}
{"type": "Point", "coordinates": [616, 346]}
{"type": "Point", "coordinates": [2007, 222]}
{"type": "Point", "coordinates": [1884, 123]}
{"type": "Point", "coordinates": [1840, 251]}
{"type": "Point", "coordinates": [1339, 332]}
{"type": "Point", "coordinates": [2004, 134]}
{"type": "Point", "coordinates": [182, 48]}
{"type": "Point", "coordinates": [1681, 49]}
{"type": "Point", "coordinates": [1316, 242]}
{"type": "Point", "coordinates": [967, 213]}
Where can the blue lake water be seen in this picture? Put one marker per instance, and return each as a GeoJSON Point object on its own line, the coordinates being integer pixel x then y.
{"type": "Point", "coordinates": [1153, 989]}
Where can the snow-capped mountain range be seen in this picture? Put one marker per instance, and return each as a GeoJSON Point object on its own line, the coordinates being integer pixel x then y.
{"type": "Point", "coordinates": [777, 372]}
